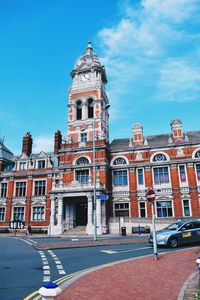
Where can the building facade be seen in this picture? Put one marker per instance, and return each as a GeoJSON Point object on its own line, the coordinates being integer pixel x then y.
{"type": "Point", "coordinates": [55, 191]}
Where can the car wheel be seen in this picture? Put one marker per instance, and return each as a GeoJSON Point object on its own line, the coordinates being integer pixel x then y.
{"type": "Point", "coordinates": [173, 242]}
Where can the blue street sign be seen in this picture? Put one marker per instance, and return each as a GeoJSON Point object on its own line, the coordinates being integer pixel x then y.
{"type": "Point", "coordinates": [102, 197]}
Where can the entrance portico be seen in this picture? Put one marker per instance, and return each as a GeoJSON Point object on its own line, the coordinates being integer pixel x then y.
{"type": "Point", "coordinates": [71, 207]}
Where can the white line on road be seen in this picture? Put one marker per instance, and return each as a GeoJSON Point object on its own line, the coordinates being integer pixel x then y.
{"type": "Point", "coordinates": [108, 251]}
{"type": "Point", "coordinates": [46, 278]}
{"type": "Point", "coordinates": [27, 242]}
{"type": "Point", "coordinates": [32, 241]}
{"type": "Point", "coordinates": [124, 251]}
{"type": "Point", "coordinates": [58, 263]}
{"type": "Point", "coordinates": [45, 267]}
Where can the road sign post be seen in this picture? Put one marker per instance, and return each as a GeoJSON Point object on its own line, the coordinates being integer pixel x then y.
{"type": "Point", "coordinates": [150, 195]}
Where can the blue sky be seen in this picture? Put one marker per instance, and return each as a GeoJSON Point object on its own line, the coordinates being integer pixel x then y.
{"type": "Point", "coordinates": [150, 48]}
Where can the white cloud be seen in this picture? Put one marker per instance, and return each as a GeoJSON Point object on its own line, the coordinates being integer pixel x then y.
{"type": "Point", "coordinates": [172, 10]}
{"type": "Point", "coordinates": [43, 143]}
{"type": "Point", "coordinates": [138, 49]}
{"type": "Point", "coordinates": [179, 81]}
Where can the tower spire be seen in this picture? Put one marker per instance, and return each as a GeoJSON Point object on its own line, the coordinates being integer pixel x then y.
{"type": "Point", "coordinates": [89, 48]}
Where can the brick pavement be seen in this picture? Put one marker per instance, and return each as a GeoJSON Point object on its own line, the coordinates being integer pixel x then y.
{"type": "Point", "coordinates": [89, 243]}
{"type": "Point", "coordinates": [138, 279]}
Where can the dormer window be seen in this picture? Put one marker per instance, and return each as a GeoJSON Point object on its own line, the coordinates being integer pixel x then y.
{"type": "Point", "coordinates": [78, 110]}
{"type": "Point", "coordinates": [22, 165]}
{"type": "Point", "coordinates": [9, 167]}
{"type": "Point", "coordinates": [197, 154]}
{"type": "Point", "coordinates": [41, 164]}
{"type": "Point", "coordinates": [90, 108]}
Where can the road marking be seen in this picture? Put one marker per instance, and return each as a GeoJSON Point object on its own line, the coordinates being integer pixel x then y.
{"type": "Point", "coordinates": [61, 272]}
{"type": "Point", "coordinates": [108, 251]}
{"type": "Point", "coordinates": [124, 251]}
{"type": "Point", "coordinates": [58, 263]}
{"type": "Point", "coordinates": [59, 267]}
{"type": "Point", "coordinates": [27, 242]}
{"type": "Point", "coordinates": [46, 278]}
{"type": "Point", "coordinates": [32, 241]}
{"type": "Point", "coordinates": [75, 240]}
{"type": "Point", "coordinates": [45, 267]}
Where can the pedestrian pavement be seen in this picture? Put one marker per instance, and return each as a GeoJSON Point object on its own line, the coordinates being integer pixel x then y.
{"type": "Point", "coordinates": [79, 243]}
{"type": "Point", "coordinates": [136, 279]}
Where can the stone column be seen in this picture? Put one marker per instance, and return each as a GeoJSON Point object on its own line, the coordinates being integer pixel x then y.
{"type": "Point", "coordinates": [84, 111]}
{"type": "Point", "coordinates": [60, 214]}
{"type": "Point", "coordinates": [98, 212]}
{"type": "Point", "coordinates": [89, 228]}
{"type": "Point", "coordinates": [52, 216]}
{"type": "Point", "coordinates": [67, 216]}
{"type": "Point", "coordinates": [103, 209]}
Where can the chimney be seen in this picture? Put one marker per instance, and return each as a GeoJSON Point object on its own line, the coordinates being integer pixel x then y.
{"type": "Point", "coordinates": [27, 144]}
{"type": "Point", "coordinates": [137, 134]}
{"type": "Point", "coordinates": [57, 141]}
{"type": "Point", "coordinates": [177, 132]}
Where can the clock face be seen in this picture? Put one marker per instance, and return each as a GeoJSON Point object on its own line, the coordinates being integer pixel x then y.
{"type": "Point", "coordinates": [85, 77]}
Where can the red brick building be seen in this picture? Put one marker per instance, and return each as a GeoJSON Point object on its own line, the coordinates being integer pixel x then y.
{"type": "Point", "coordinates": [55, 190]}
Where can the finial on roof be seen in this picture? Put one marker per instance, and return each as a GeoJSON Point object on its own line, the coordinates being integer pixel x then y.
{"type": "Point", "coordinates": [186, 138]}
{"type": "Point", "coordinates": [89, 48]}
{"type": "Point", "coordinates": [130, 143]}
{"type": "Point", "coordinates": [146, 142]}
{"type": "Point", "coordinates": [170, 141]}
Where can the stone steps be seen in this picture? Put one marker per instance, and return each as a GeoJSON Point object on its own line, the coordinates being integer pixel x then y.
{"type": "Point", "coordinates": [78, 230]}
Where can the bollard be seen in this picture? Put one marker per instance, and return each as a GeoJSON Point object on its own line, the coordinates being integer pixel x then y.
{"type": "Point", "coordinates": [49, 291]}
{"type": "Point", "coordinates": [139, 231]}
{"type": "Point", "coordinates": [198, 264]}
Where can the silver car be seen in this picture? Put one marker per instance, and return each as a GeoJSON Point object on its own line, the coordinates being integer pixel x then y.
{"type": "Point", "coordinates": [181, 232]}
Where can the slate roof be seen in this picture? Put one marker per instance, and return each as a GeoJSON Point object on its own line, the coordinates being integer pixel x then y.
{"type": "Point", "coordinates": [5, 153]}
{"type": "Point", "coordinates": [156, 141]}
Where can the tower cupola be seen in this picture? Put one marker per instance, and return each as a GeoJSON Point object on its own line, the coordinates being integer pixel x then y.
{"type": "Point", "coordinates": [88, 65]}
{"type": "Point", "coordinates": [87, 99]}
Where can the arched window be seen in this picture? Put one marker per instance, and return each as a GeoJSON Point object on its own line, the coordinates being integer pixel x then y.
{"type": "Point", "coordinates": [197, 154]}
{"type": "Point", "coordinates": [119, 161]}
{"type": "Point", "coordinates": [82, 161]}
{"type": "Point", "coordinates": [78, 110]}
{"type": "Point", "coordinates": [159, 157]}
{"type": "Point", "coordinates": [90, 108]}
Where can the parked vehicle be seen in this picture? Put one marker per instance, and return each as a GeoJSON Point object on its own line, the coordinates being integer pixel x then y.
{"type": "Point", "coordinates": [181, 232]}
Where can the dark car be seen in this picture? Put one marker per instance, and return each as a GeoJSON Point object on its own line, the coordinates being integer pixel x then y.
{"type": "Point", "coordinates": [181, 232]}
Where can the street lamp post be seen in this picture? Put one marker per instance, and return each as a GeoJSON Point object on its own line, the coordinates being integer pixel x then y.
{"type": "Point", "coordinates": [94, 175]}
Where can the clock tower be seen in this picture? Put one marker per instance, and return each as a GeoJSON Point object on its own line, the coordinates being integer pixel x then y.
{"type": "Point", "coordinates": [87, 99]}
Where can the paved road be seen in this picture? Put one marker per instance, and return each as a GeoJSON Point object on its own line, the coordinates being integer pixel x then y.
{"type": "Point", "coordinates": [20, 269]}
{"type": "Point", "coordinates": [24, 269]}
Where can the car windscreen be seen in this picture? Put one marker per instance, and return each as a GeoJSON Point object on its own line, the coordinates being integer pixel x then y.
{"type": "Point", "coordinates": [174, 226]}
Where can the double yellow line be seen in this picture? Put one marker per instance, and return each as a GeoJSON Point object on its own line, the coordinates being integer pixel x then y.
{"type": "Point", "coordinates": [35, 296]}
{"type": "Point", "coordinates": [58, 281]}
